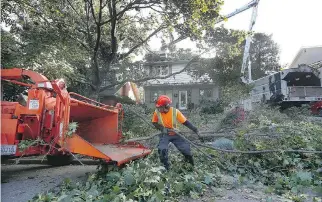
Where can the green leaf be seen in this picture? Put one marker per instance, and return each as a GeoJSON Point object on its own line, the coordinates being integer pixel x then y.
{"type": "Point", "coordinates": [129, 179]}
{"type": "Point", "coordinates": [304, 176]}
{"type": "Point", "coordinates": [113, 176]}
{"type": "Point", "coordinates": [208, 180]}
{"type": "Point", "coordinates": [285, 162]}
{"type": "Point", "coordinates": [178, 187]}
{"type": "Point", "coordinates": [116, 189]}
{"type": "Point", "coordinates": [257, 164]}
{"type": "Point", "coordinates": [64, 198]}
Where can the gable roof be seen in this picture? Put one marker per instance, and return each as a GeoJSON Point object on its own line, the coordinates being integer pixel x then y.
{"type": "Point", "coordinates": [307, 55]}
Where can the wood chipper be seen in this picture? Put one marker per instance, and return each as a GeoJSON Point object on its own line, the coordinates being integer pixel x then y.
{"type": "Point", "coordinates": [45, 118]}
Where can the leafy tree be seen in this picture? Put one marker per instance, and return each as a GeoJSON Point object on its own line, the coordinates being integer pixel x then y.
{"type": "Point", "coordinates": [264, 54]}
{"type": "Point", "coordinates": [224, 68]}
{"type": "Point", "coordinates": [92, 36]}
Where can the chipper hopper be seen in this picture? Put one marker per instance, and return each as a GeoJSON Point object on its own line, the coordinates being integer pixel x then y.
{"type": "Point", "coordinates": [46, 119]}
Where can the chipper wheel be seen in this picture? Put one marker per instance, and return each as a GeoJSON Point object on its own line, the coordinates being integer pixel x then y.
{"type": "Point", "coordinates": [59, 160]}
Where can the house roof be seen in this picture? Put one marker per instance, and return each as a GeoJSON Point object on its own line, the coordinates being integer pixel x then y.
{"type": "Point", "coordinates": [167, 62]}
{"type": "Point", "coordinates": [308, 56]}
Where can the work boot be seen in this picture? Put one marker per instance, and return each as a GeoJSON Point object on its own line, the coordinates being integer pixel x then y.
{"type": "Point", "coordinates": [189, 159]}
{"type": "Point", "coordinates": [163, 154]}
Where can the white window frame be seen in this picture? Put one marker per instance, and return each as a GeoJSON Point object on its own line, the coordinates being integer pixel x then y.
{"type": "Point", "coordinates": [203, 93]}
{"type": "Point", "coordinates": [186, 100]}
{"type": "Point", "coordinates": [156, 70]}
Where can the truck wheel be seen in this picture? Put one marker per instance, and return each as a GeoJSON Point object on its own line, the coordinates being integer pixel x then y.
{"type": "Point", "coordinates": [59, 160]}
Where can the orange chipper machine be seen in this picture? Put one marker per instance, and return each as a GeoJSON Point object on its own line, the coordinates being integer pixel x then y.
{"type": "Point", "coordinates": [46, 115]}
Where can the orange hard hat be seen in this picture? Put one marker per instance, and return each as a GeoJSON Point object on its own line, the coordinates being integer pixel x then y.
{"type": "Point", "coordinates": [163, 101]}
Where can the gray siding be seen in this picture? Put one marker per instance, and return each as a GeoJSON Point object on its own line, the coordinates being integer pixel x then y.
{"type": "Point", "coordinates": [182, 78]}
{"type": "Point", "coordinates": [180, 84]}
{"type": "Point", "coordinates": [307, 55]}
{"type": "Point", "coordinates": [193, 93]}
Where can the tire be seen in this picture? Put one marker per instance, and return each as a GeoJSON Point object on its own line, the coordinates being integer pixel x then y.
{"type": "Point", "coordinates": [59, 160]}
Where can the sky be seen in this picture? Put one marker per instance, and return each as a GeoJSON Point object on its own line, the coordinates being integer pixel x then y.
{"type": "Point", "coordinates": [292, 23]}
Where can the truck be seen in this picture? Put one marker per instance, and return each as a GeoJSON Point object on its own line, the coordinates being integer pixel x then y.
{"type": "Point", "coordinates": [59, 123]}
{"type": "Point", "coordinates": [290, 87]}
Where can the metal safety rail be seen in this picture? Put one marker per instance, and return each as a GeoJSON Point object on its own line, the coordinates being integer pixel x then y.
{"type": "Point", "coordinates": [305, 91]}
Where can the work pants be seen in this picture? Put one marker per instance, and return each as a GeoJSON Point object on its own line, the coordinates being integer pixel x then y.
{"type": "Point", "coordinates": [182, 145]}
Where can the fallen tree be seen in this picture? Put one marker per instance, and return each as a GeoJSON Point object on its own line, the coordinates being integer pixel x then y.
{"type": "Point", "coordinates": [271, 150]}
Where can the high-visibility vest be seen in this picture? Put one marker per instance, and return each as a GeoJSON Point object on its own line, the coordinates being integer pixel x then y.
{"type": "Point", "coordinates": [174, 117]}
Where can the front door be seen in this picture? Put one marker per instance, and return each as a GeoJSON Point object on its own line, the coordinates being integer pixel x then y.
{"type": "Point", "coordinates": [183, 100]}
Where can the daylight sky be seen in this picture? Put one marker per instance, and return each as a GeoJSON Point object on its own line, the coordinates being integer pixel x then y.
{"type": "Point", "coordinates": [293, 23]}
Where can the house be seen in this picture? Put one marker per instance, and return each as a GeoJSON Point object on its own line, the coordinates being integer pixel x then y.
{"type": "Point", "coordinates": [311, 56]}
{"type": "Point", "coordinates": [185, 90]}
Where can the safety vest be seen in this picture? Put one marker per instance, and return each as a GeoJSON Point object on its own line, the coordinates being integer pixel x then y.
{"type": "Point", "coordinates": [174, 117]}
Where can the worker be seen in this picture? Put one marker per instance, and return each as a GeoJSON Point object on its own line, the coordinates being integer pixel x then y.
{"type": "Point", "coordinates": [164, 119]}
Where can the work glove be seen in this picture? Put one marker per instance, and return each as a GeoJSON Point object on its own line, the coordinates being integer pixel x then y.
{"type": "Point", "coordinates": [197, 132]}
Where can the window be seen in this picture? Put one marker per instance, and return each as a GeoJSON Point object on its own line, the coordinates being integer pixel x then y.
{"type": "Point", "coordinates": [155, 95]}
{"type": "Point", "coordinates": [164, 70]}
{"type": "Point", "coordinates": [183, 101]}
{"type": "Point", "coordinates": [159, 70]}
{"type": "Point", "coordinates": [105, 82]}
{"type": "Point", "coordinates": [205, 93]}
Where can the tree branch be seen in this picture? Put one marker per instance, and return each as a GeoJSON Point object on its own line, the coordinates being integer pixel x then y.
{"type": "Point", "coordinates": [80, 42]}
{"type": "Point", "coordinates": [121, 13]}
{"type": "Point", "coordinates": [92, 10]}
{"type": "Point", "coordinates": [98, 40]}
{"type": "Point", "coordinates": [157, 77]}
{"type": "Point", "coordinates": [180, 38]}
{"type": "Point", "coordinates": [141, 43]}
{"type": "Point", "coordinates": [260, 151]}
{"type": "Point", "coordinates": [89, 37]}
{"type": "Point", "coordinates": [74, 9]}
{"type": "Point", "coordinates": [112, 11]}
{"type": "Point", "coordinates": [76, 79]}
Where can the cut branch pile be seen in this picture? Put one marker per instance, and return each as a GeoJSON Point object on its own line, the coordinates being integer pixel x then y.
{"type": "Point", "coordinates": [270, 149]}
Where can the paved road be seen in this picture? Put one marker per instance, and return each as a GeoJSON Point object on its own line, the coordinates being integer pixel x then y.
{"type": "Point", "coordinates": [20, 183]}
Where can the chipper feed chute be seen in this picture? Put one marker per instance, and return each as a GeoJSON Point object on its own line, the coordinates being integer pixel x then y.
{"type": "Point", "coordinates": [98, 134]}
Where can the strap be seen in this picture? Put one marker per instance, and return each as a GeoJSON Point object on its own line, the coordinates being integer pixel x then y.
{"type": "Point", "coordinates": [160, 121]}
{"type": "Point", "coordinates": [174, 117]}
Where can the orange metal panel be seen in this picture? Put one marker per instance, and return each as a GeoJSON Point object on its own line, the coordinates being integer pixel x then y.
{"type": "Point", "coordinates": [8, 107]}
{"type": "Point", "coordinates": [89, 100]}
{"type": "Point", "coordinates": [8, 131]}
{"type": "Point", "coordinates": [6, 116]}
{"type": "Point", "coordinates": [21, 128]}
{"type": "Point", "coordinates": [17, 73]}
{"type": "Point", "coordinates": [13, 73]}
{"type": "Point", "coordinates": [122, 154]}
{"type": "Point", "coordinates": [78, 145]}
{"type": "Point", "coordinates": [101, 130]}
{"type": "Point", "coordinates": [18, 82]}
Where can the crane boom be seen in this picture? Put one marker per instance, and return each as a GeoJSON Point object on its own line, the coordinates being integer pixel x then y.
{"type": "Point", "coordinates": [247, 46]}
{"type": "Point", "coordinates": [241, 9]}
{"type": "Point", "coordinates": [251, 4]}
